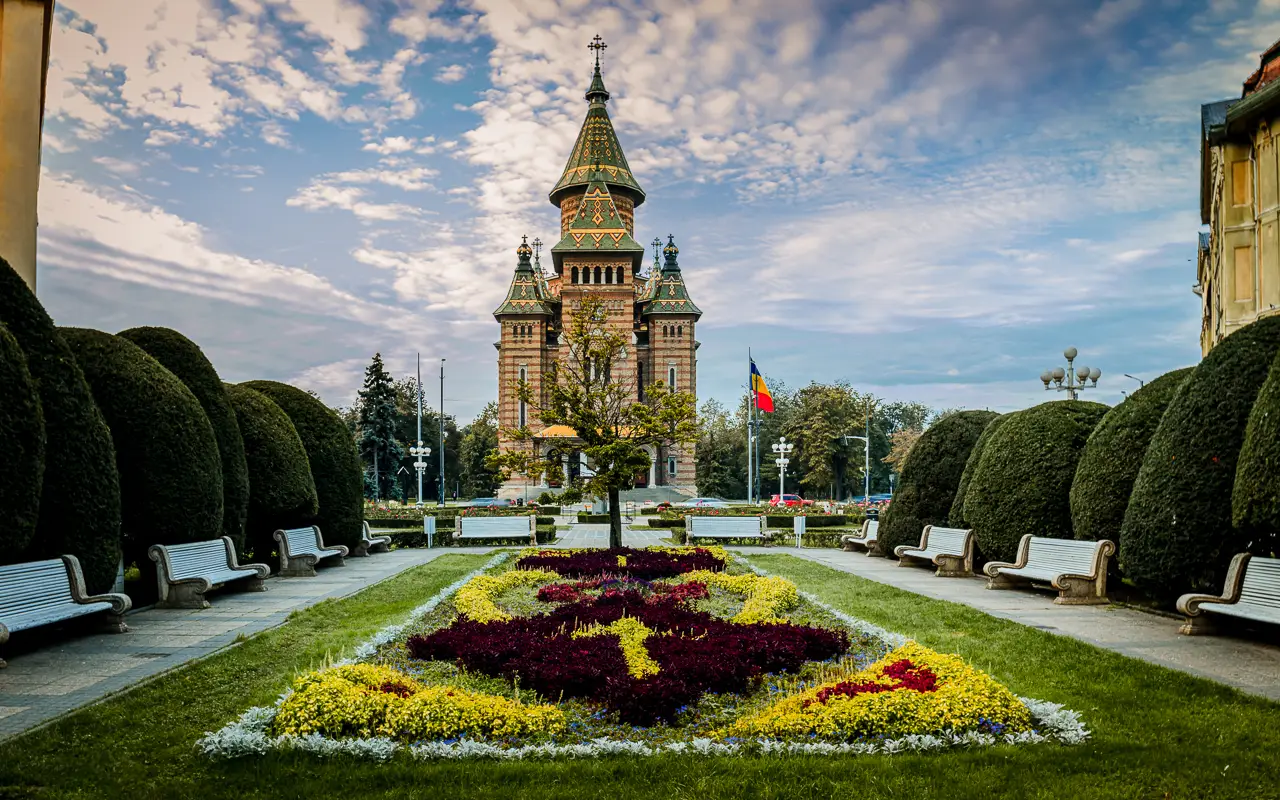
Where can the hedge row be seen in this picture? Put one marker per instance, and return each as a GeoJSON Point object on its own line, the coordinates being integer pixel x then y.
{"type": "Point", "coordinates": [955, 518]}
{"type": "Point", "coordinates": [21, 447]}
{"type": "Point", "coordinates": [443, 523]}
{"type": "Point", "coordinates": [444, 537]}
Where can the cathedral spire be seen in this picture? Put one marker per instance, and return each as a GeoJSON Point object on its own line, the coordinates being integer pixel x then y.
{"type": "Point", "coordinates": [528, 294]}
{"type": "Point", "coordinates": [597, 227]}
{"type": "Point", "coordinates": [669, 295]}
{"type": "Point", "coordinates": [597, 147]}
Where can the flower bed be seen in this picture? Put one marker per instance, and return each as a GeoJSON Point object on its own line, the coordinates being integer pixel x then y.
{"type": "Point", "coordinates": [589, 652]}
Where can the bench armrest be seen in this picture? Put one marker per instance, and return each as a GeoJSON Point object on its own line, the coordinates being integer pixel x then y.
{"type": "Point", "coordinates": [1189, 604]}
{"type": "Point", "coordinates": [992, 569]}
{"type": "Point", "coordinates": [120, 603]}
{"type": "Point", "coordinates": [232, 562]}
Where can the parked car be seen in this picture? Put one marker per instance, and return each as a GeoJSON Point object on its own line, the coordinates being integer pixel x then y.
{"type": "Point", "coordinates": [789, 500]}
{"type": "Point", "coordinates": [489, 502]}
{"type": "Point", "coordinates": [703, 502]}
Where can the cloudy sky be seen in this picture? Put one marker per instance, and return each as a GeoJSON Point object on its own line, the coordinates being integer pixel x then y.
{"type": "Point", "coordinates": [928, 198]}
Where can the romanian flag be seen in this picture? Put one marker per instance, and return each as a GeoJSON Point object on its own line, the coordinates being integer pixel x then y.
{"type": "Point", "coordinates": [764, 400]}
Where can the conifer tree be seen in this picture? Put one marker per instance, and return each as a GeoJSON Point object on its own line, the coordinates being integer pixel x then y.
{"type": "Point", "coordinates": [381, 451]}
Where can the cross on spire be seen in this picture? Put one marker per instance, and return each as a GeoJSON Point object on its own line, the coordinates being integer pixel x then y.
{"type": "Point", "coordinates": [597, 44]}
{"type": "Point", "coordinates": [537, 252]}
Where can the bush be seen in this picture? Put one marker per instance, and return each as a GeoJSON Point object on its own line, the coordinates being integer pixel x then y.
{"type": "Point", "coordinates": [170, 470]}
{"type": "Point", "coordinates": [183, 358]}
{"type": "Point", "coordinates": [1255, 498]}
{"type": "Point", "coordinates": [1023, 482]}
{"type": "Point", "coordinates": [955, 518]}
{"type": "Point", "coordinates": [80, 498]}
{"type": "Point", "coordinates": [930, 477]}
{"type": "Point", "coordinates": [1112, 457]}
{"type": "Point", "coordinates": [335, 464]}
{"type": "Point", "coordinates": [1177, 534]}
{"type": "Point", "coordinates": [282, 493]}
{"type": "Point", "coordinates": [21, 450]}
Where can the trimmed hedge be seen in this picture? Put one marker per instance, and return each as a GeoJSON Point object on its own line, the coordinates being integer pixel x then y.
{"type": "Point", "coordinates": [930, 477]}
{"type": "Point", "coordinates": [335, 463]}
{"type": "Point", "coordinates": [282, 493]}
{"type": "Point", "coordinates": [1255, 497]}
{"type": "Point", "coordinates": [1112, 457]}
{"type": "Point", "coordinates": [1177, 535]}
{"type": "Point", "coordinates": [1023, 482]}
{"type": "Point", "coordinates": [545, 534]}
{"type": "Point", "coordinates": [183, 358]}
{"type": "Point", "coordinates": [21, 450]}
{"type": "Point", "coordinates": [955, 519]}
{"type": "Point", "coordinates": [170, 470]}
{"type": "Point", "coordinates": [80, 498]}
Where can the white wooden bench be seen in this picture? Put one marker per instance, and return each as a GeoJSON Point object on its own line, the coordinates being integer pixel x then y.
{"type": "Point", "coordinates": [949, 549]}
{"type": "Point", "coordinates": [185, 572]}
{"type": "Point", "coordinates": [864, 539]}
{"type": "Point", "coordinates": [370, 543]}
{"type": "Point", "coordinates": [1078, 570]}
{"type": "Point", "coordinates": [1252, 592]}
{"type": "Point", "coordinates": [478, 528]}
{"type": "Point", "coordinates": [722, 528]}
{"type": "Point", "coordinates": [302, 548]}
{"type": "Point", "coordinates": [44, 592]}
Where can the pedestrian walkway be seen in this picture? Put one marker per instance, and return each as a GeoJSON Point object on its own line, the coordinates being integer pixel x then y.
{"type": "Point", "coordinates": [1250, 666]}
{"type": "Point", "coordinates": [77, 670]}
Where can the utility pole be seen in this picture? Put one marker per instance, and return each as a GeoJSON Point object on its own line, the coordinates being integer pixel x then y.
{"type": "Point", "coordinates": [440, 480]}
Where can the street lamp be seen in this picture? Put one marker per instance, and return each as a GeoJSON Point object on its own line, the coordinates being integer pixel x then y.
{"type": "Point", "coordinates": [1075, 379]}
{"type": "Point", "coordinates": [419, 452]}
{"type": "Point", "coordinates": [782, 450]}
{"type": "Point", "coordinates": [1140, 381]}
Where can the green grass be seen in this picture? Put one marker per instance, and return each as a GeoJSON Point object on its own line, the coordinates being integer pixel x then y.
{"type": "Point", "coordinates": [1157, 733]}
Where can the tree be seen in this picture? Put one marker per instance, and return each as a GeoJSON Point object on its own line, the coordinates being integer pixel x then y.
{"type": "Point", "coordinates": [582, 392]}
{"type": "Point", "coordinates": [824, 414]}
{"type": "Point", "coordinates": [479, 441]}
{"type": "Point", "coordinates": [22, 442]}
{"type": "Point", "coordinates": [900, 444]}
{"type": "Point", "coordinates": [722, 452]}
{"type": "Point", "coordinates": [377, 424]}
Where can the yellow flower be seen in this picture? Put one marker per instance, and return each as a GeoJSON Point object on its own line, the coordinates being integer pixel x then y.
{"type": "Point", "coordinates": [763, 597]}
{"type": "Point", "coordinates": [475, 599]}
{"type": "Point", "coordinates": [631, 634]}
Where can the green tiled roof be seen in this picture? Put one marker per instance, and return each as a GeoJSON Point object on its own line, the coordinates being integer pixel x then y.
{"type": "Point", "coordinates": [528, 293]}
{"type": "Point", "coordinates": [597, 227]}
{"type": "Point", "coordinates": [597, 148]}
{"type": "Point", "coordinates": [669, 294]}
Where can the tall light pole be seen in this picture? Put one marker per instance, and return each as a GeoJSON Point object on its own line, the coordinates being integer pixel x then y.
{"type": "Point", "coordinates": [1075, 379]}
{"type": "Point", "coordinates": [1140, 381]}
{"type": "Point", "coordinates": [782, 450]}
{"type": "Point", "coordinates": [440, 479]}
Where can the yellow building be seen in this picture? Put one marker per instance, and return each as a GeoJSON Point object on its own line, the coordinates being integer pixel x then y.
{"type": "Point", "coordinates": [1238, 269]}
{"type": "Point", "coordinates": [25, 26]}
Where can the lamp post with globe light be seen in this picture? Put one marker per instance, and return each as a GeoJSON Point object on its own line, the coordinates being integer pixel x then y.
{"type": "Point", "coordinates": [782, 450]}
{"type": "Point", "coordinates": [1076, 378]}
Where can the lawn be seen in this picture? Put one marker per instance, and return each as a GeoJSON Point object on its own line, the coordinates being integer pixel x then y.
{"type": "Point", "coordinates": [1157, 733]}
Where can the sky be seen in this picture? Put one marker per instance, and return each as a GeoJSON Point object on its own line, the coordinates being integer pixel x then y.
{"type": "Point", "coordinates": [929, 199]}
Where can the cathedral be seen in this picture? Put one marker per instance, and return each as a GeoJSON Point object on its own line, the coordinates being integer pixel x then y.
{"type": "Point", "coordinates": [598, 256]}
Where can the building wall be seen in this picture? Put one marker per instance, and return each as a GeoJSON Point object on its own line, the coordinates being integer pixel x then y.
{"type": "Point", "coordinates": [672, 346]}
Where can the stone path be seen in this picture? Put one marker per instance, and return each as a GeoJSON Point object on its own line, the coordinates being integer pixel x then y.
{"type": "Point", "coordinates": [1250, 666]}
{"type": "Point", "coordinates": [73, 671]}
{"type": "Point", "coordinates": [593, 535]}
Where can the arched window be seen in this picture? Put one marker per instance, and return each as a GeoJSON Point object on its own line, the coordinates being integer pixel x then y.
{"type": "Point", "coordinates": [597, 280]}
{"type": "Point", "coordinates": [622, 274]}
{"type": "Point", "coordinates": [671, 378]}
{"type": "Point", "coordinates": [524, 375]}
{"type": "Point", "coordinates": [575, 274]}
{"type": "Point", "coordinates": [640, 381]}
{"type": "Point", "coordinates": [680, 332]}
{"type": "Point", "coordinates": [608, 274]}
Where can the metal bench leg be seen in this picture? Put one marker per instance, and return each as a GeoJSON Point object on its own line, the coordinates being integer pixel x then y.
{"type": "Point", "coordinates": [952, 567]}
{"type": "Point", "coordinates": [1080, 592]}
{"type": "Point", "coordinates": [1200, 625]}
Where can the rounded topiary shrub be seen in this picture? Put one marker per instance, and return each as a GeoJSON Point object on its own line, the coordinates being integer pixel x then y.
{"type": "Point", "coordinates": [282, 493]}
{"type": "Point", "coordinates": [170, 470]}
{"type": "Point", "coordinates": [955, 518]}
{"type": "Point", "coordinates": [335, 463]}
{"type": "Point", "coordinates": [183, 358]}
{"type": "Point", "coordinates": [930, 477]}
{"type": "Point", "coordinates": [1112, 457]}
{"type": "Point", "coordinates": [1023, 481]}
{"type": "Point", "coordinates": [21, 451]}
{"type": "Point", "coordinates": [80, 497]}
{"type": "Point", "coordinates": [1178, 535]}
{"type": "Point", "coordinates": [1255, 497]}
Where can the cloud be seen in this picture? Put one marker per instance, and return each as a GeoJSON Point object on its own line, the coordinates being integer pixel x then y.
{"type": "Point", "coordinates": [118, 166]}
{"type": "Point", "coordinates": [451, 74]}
{"type": "Point", "coordinates": [321, 196]}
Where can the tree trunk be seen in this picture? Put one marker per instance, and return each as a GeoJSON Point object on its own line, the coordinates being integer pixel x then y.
{"type": "Point", "coordinates": [615, 518]}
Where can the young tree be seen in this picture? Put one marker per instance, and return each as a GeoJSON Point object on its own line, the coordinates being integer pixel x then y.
{"type": "Point", "coordinates": [722, 452]}
{"type": "Point", "coordinates": [583, 392]}
{"type": "Point", "coordinates": [377, 431]}
{"type": "Point", "coordinates": [479, 441]}
{"type": "Point", "coordinates": [900, 444]}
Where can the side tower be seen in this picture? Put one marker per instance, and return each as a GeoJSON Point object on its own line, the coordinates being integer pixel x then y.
{"type": "Point", "coordinates": [526, 317]}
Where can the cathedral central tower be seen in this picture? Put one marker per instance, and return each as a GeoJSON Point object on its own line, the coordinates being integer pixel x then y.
{"type": "Point", "coordinates": [597, 254]}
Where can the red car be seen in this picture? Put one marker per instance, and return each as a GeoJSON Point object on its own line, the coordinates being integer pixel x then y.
{"type": "Point", "coordinates": [789, 500]}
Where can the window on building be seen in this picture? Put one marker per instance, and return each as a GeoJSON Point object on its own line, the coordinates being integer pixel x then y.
{"type": "Point", "coordinates": [575, 275]}
{"type": "Point", "coordinates": [640, 381]}
{"type": "Point", "coordinates": [1243, 274]}
{"type": "Point", "coordinates": [608, 274]}
{"type": "Point", "coordinates": [671, 465]}
{"type": "Point", "coordinates": [680, 332]}
{"type": "Point", "coordinates": [1240, 194]}
{"type": "Point", "coordinates": [524, 376]}
{"type": "Point", "coordinates": [671, 378]}
{"type": "Point", "coordinates": [622, 274]}
{"type": "Point", "coordinates": [597, 276]}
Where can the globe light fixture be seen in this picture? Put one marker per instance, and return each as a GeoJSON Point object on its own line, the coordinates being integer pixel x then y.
{"type": "Point", "coordinates": [1072, 379]}
{"type": "Point", "coordinates": [782, 450]}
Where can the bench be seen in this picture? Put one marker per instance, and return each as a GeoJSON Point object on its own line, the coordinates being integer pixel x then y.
{"type": "Point", "coordinates": [370, 543]}
{"type": "Point", "coordinates": [1078, 570]}
{"type": "Point", "coordinates": [302, 548]}
{"type": "Point", "coordinates": [1252, 592]}
{"type": "Point", "coordinates": [497, 528]}
{"type": "Point", "coordinates": [865, 539]}
{"type": "Point", "coordinates": [185, 572]}
{"type": "Point", "coordinates": [949, 549]}
{"type": "Point", "coordinates": [44, 592]}
{"type": "Point", "coordinates": [722, 528]}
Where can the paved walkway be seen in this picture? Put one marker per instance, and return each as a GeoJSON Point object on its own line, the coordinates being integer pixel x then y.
{"type": "Point", "coordinates": [592, 535]}
{"type": "Point", "coordinates": [1250, 666]}
{"type": "Point", "coordinates": [73, 671]}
